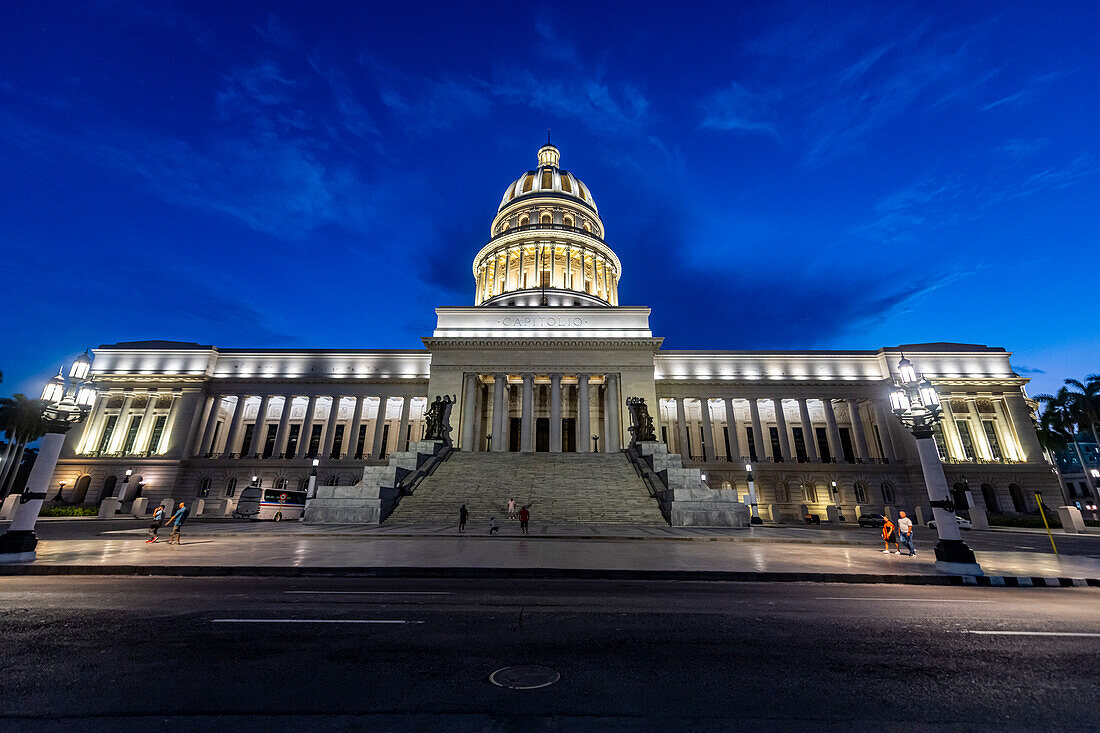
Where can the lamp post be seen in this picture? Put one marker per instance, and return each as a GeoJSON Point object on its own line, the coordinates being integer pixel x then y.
{"type": "Point", "coordinates": [596, 440]}
{"type": "Point", "coordinates": [124, 489]}
{"type": "Point", "coordinates": [311, 489]}
{"type": "Point", "coordinates": [917, 406]}
{"type": "Point", "coordinates": [65, 402]}
{"type": "Point", "coordinates": [755, 518]}
{"type": "Point", "coordinates": [60, 490]}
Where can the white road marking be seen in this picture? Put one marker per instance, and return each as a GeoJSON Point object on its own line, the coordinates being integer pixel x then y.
{"type": "Point", "coordinates": [1035, 633]}
{"type": "Point", "coordinates": [373, 592]}
{"type": "Point", "coordinates": [311, 621]}
{"type": "Point", "coordinates": [907, 600]}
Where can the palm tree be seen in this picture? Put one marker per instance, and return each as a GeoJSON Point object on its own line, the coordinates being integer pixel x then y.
{"type": "Point", "coordinates": [1087, 398]}
{"type": "Point", "coordinates": [22, 420]}
{"type": "Point", "coordinates": [1066, 415]}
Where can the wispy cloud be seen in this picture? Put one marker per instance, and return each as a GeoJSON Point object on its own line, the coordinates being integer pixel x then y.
{"type": "Point", "coordinates": [1027, 94]}
{"type": "Point", "coordinates": [736, 109]}
{"type": "Point", "coordinates": [1020, 369]}
{"type": "Point", "coordinates": [1018, 148]}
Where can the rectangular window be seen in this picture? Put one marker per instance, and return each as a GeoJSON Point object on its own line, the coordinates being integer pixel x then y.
{"type": "Point", "coordinates": [751, 443]}
{"type": "Point", "coordinates": [158, 431]}
{"type": "Point", "coordinates": [777, 451]}
{"type": "Point", "coordinates": [292, 440]}
{"type": "Point", "coordinates": [964, 435]}
{"type": "Point", "coordinates": [247, 442]}
{"type": "Point", "coordinates": [408, 437]}
{"type": "Point", "coordinates": [386, 440]}
{"type": "Point", "coordinates": [823, 445]}
{"type": "Point", "coordinates": [544, 279]}
{"type": "Point", "coordinates": [131, 434]}
{"type": "Point", "coordinates": [214, 437]}
{"type": "Point", "coordinates": [337, 441]}
{"type": "Point", "coordinates": [726, 439]}
{"type": "Point", "coordinates": [664, 435]}
{"type": "Point", "coordinates": [702, 443]}
{"type": "Point", "coordinates": [315, 441]}
{"type": "Point", "coordinates": [269, 440]}
{"type": "Point", "coordinates": [799, 445]}
{"type": "Point", "coordinates": [878, 442]}
{"type": "Point", "coordinates": [991, 437]}
{"type": "Point", "coordinates": [846, 445]}
{"type": "Point", "coordinates": [361, 441]}
{"type": "Point", "coordinates": [941, 444]}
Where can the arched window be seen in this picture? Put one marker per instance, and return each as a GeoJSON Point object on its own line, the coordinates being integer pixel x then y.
{"type": "Point", "coordinates": [989, 495]}
{"type": "Point", "coordinates": [861, 492]}
{"type": "Point", "coordinates": [528, 183]}
{"type": "Point", "coordinates": [504, 227]}
{"type": "Point", "coordinates": [565, 184]}
{"type": "Point", "coordinates": [280, 484]}
{"type": "Point", "coordinates": [546, 218]}
{"type": "Point", "coordinates": [524, 220]}
{"type": "Point", "coordinates": [303, 483]}
{"type": "Point", "coordinates": [887, 492]}
{"type": "Point", "coordinates": [587, 227]}
{"type": "Point", "coordinates": [809, 492]}
{"type": "Point", "coordinates": [567, 220]}
{"type": "Point", "coordinates": [108, 487]}
{"type": "Point", "coordinates": [204, 487]}
{"type": "Point", "coordinates": [547, 180]}
{"type": "Point", "coordinates": [80, 490]}
{"type": "Point", "coordinates": [782, 492]}
{"type": "Point", "coordinates": [231, 487]}
{"type": "Point", "coordinates": [726, 485]}
{"type": "Point", "coordinates": [1018, 502]}
{"type": "Point", "coordinates": [331, 480]}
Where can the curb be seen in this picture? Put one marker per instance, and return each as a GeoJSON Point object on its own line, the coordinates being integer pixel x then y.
{"type": "Point", "coordinates": [538, 574]}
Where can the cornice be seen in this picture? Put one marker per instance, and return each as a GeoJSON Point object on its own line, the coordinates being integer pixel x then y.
{"type": "Point", "coordinates": [452, 343]}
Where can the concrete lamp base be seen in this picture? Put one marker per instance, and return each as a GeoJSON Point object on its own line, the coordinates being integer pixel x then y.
{"type": "Point", "coordinates": [954, 557]}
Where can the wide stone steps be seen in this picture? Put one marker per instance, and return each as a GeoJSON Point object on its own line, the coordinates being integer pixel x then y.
{"type": "Point", "coordinates": [559, 488]}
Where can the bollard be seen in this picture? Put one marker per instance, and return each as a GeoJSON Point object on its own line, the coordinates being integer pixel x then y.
{"type": "Point", "coordinates": [7, 511]}
{"type": "Point", "coordinates": [109, 507]}
{"type": "Point", "coordinates": [139, 507]}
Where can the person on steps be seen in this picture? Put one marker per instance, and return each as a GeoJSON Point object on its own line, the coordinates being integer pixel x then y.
{"type": "Point", "coordinates": [463, 515]}
{"type": "Point", "coordinates": [524, 517]}
{"type": "Point", "coordinates": [511, 508]}
{"type": "Point", "coordinates": [494, 526]}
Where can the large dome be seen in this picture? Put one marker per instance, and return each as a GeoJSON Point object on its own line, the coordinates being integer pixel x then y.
{"type": "Point", "coordinates": [548, 180]}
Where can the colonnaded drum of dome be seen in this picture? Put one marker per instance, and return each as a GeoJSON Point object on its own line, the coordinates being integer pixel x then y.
{"type": "Point", "coordinates": [546, 244]}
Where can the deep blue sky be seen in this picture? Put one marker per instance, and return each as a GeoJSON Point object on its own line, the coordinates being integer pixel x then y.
{"type": "Point", "coordinates": [803, 175]}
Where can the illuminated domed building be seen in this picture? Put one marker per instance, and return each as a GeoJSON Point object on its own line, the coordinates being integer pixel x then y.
{"type": "Point", "coordinates": [543, 363]}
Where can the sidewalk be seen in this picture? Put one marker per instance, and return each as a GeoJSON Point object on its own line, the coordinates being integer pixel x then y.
{"type": "Point", "coordinates": [622, 552]}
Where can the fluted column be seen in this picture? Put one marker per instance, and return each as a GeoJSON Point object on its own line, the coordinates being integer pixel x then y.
{"type": "Point", "coordinates": [379, 428]}
{"type": "Point", "coordinates": [731, 430]}
{"type": "Point", "coordinates": [527, 419]}
{"type": "Point", "coordinates": [500, 412]}
{"type": "Point", "coordinates": [122, 424]}
{"type": "Point", "coordinates": [858, 433]}
{"type": "Point", "coordinates": [469, 402]}
{"type": "Point", "coordinates": [955, 448]}
{"type": "Point", "coordinates": [808, 436]}
{"type": "Point", "coordinates": [283, 433]}
{"type": "Point", "coordinates": [1009, 444]}
{"type": "Point", "coordinates": [555, 413]}
{"type": "Point", "coordinates": [757, 429]}
{"type": "Point", "coordinates": [883, 417]}
{"type": "Point", "coordinates": [205, 445]}
{"type": "Point", "coordinates": [1025, 427]}
{"type": "Point", "coordinates": [330, 428]}
{"type": "Point", "coordinates": [684, 449]}
{"type": "Point", "coordinates": [403, 423]}
{"type": "Point", "coordinates": [351, 437]}
{"type": "Point", "coordinates": [614, 420]}
{"type": "Point", "coordinates": [307, 427]}
{"type": "Point", "coordinates": [781, 428]}
{"type": "Point", "coordinates": [977, 430]}
{"type": "Point", "coordinates": [258, 430]}
{"type": "Point", "coordinates": [708, 430]}
{"type": "Point", "coordinates": [92, 428]}
{"type": "Point", "coordinates": [235, 426]}
{"type": "Point", "coordinates": [835, 448]}
{"type": "Point", "coordinates": [146, 427]}
{"type": "Point", "coordinates": [584, 433]}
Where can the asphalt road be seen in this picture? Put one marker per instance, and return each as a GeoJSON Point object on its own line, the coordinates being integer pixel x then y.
{"type": "Point", "coordinates": [338, 655]}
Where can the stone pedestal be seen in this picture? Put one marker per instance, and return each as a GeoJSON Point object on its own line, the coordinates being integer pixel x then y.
{"type": "Point", "coordinates": [978, 518]}
{"type": "Point", "coordinates": [918, 516]}
{"type": "Point", "coordinates": [687, 501]}
{"type": "Point", "coordinates": [198, 507]}
{"type": "Point", "coordinates": [1072, 521]}
{"type": "Point", "coordinates": [215, 508]}
{"type": "Point", "coordinates": [169, 507]}
{"type": "Point", "coordinates": [833, 513]}
{"type": "Point", "coordinates": [139, 507]}
{"type": "Point", "coordinates": [109, 507]}
{"type": "Point", "coordinates": [11, 501]}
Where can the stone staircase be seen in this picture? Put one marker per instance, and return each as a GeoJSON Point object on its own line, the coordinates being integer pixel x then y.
{"type": "Point", "coordinates": [560, 488]}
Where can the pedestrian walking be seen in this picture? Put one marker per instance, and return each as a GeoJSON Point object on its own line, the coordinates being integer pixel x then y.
{"type": "Point", "coordinates": [511, 508]}
{"type": "Point", "coordinates": [905, 529]}
{"type": "Point", "coordinates": [177, 521]}
{"type": "Point", "coordinates": [463, 515]}
{"type": "Point", "coordinates": [158, 522]}
{"type": "Point", "coordinates": [494, 526]}
{"type": "Point", "coordinates": [524, 517]}
{"type": "Point", "coordinates": [890, 535]}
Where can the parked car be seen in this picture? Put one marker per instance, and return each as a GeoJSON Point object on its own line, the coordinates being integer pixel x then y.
{"type": "Point", "coordinates": [963, 523]}
{"type": "Point", "coordinates": [871, 520]}
{"type": "Point", "coordinates": [812, 519]}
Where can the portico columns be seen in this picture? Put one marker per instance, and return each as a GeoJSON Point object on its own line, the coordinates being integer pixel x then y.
{"type": "Point", "coordinates": [611, 437]}
{"type": "Point", "coordinates": [977, 430]}
{"type": "Point", "coordinates": [527, 422]}
{"type": "Point", "coordinates": [499, 412]}
{"type": "Point", "coordinates": [211, 423]}
{"type": "Point", "coordinates": [833, 431]}
{"type": "Point", "coordinates": [307, 427]}
{"type": "Point", "coordinates": [403, 424]}
{"type": "Point", "coordinates": [1025, 429]}
{"type": "Point", "coordinates": [884, 421]}
{"type": "Point", "coordinates": [857, 429]}
{"type": "Point", "coordinates": [283, 431]}
{"type": "Point", "coordinates": [681, 428]}
{"type": "Point", "coordinates": [146, 427]}
{"type": "Point", "coordinates": [469, 401]}
{"type": "Point", "coordinates": [555, 413]}
{"type": "Point", "coordinates": [731, 430]}
{"type": "Point", "coordinates": [757, 430]}
{"type": "Point", "coordinates": [122, 425]}
{"type": "Point", "coordinates": [330, 427]}
{"type": "Point", "coordinates": [781, 428]}
{"type": "Point", "coordinates": [235, 426]}
{"type": "Point", "coordinates": [708, 430]}
{"type": "Point", "coordinates": [379, 428]}
{"type": "Point", "coordinates": [584, 434]}
{"type": "Point", "coordinates": [257, 430]}
{"type": "Point", "coordinates": [351, 437]}
{"type": "Point", "coordinates": [808, 436]}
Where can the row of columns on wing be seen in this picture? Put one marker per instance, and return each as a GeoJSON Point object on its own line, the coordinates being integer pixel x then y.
{"type": "Point", "coordinates": [541, 413]}
{"type": "Point", "coordinates": [325, 426]}
{"type": "Point", "coordinates": [131, 423]}
{"type": "Point", "coordinates": [550, 265]}
{"type": "Point", "coordinates": [825, 430]}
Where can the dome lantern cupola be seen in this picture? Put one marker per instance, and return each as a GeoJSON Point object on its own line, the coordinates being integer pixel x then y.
{"type": "Point", "coordinates": [546, 244]}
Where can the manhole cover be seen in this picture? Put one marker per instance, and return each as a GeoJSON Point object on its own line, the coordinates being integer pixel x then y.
{"type": "Point", "coordinates": [524, 677]}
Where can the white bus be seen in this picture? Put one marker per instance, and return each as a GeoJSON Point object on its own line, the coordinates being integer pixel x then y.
{"type": "Point", "coordinates": [273, 504]}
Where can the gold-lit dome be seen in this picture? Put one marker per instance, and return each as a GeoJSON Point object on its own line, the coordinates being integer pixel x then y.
{"type": "Point", "coordinates": [548, 179]}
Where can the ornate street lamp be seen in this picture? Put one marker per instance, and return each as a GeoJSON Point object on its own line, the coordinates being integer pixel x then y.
{"type": "Point", "coordinates": [65, 402]}
{"type": "Point", "coordinates": [311, 489]}
{"type": "Point", "coordinates": [755, 518]}
{"type": "Point", "coordinates": [917, 406]}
